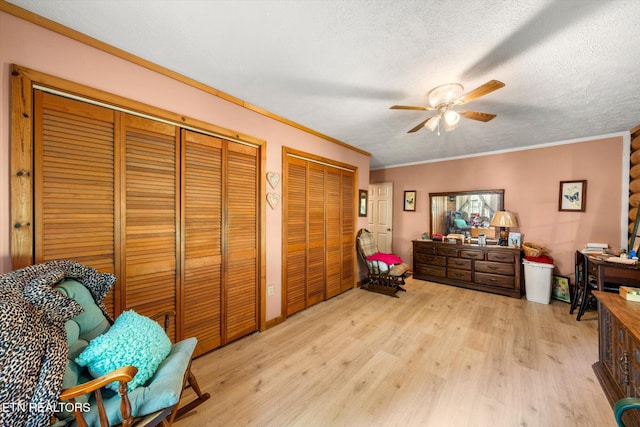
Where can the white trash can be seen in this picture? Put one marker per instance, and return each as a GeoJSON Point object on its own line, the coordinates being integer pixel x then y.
{"type": "Point", "coordinates": [537, 281]}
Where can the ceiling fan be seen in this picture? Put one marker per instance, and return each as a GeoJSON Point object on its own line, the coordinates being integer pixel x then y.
{"type": "Point", "coordinates": [444, 98]}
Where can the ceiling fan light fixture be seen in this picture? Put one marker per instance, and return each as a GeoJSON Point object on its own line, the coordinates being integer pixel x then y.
{"type": "Point", "coordinates": [444, 94]}
{"type": "Point", "coordinates": [432, 123]}
{"type": "Point", "coordinates": [448, 127]}
{"type": "Point", "coordinates": [451, 117]}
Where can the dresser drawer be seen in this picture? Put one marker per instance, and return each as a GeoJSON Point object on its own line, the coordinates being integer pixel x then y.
{"type": "Point", "coordinates": [501, 256]}
{"type": "Point", "coordinates": [494, 267]}
{"type": "Point", "coordinates": [431, 259]}
{"type": "Point", "coordinates": [430, 270]}
{"type": "Point", "coordinates": [471, 254]}
{"type": "Point", "coordinates": [462, 264]}
{"type": "Point", "coordinates": [495, 280]}
{"type": "Point", "coordinates": [453, 273]}
{"type": "Point", "coordinates": [424, 248]}
{"type": "Point", "coordinates": [446, 251]}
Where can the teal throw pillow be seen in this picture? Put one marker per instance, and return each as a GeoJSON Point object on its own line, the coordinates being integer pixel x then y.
{"type": "Point", "coordinates": [132, 340]}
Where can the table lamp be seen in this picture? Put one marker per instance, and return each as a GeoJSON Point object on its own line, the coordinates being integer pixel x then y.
{"type": "Point", "coordinates": [504, 220]}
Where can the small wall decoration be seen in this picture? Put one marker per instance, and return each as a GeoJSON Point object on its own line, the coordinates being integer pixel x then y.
{"type": "Point", "coordinates": [362, 202]}
{"type": "Point", "coordinates": [273, 178]}
{"type": "Point", "coordinates": [560, 289]}
{"type": "Point", "coordinates": [410, 200]}
{"type": "Point", "coordinates": [273, 199]}
{"type": "Point", "coordinates": [573, 196]}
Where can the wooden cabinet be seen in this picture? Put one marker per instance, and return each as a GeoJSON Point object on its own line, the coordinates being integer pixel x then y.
{"type": "Point", "coordinates": [618, 366]}
{"type": "Point", "coordinates": [496, 269]}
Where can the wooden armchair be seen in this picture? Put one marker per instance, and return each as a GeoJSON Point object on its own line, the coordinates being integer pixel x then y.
{"type": "Point", "coordinates": [153, 403]}
{"type": "Point", "coordinates": [123, 376]}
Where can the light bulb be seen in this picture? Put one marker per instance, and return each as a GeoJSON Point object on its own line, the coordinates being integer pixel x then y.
{"type": "Point", "coordinates": [451, 117]}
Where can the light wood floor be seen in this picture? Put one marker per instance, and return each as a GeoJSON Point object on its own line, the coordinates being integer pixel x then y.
{"type": "Point", "coordinates": [436, 356]}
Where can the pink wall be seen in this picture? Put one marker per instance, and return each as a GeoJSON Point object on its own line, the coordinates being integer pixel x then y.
{"type": "Point", "coordinates": [34, 47]}
{"type": "Point", "coordinates": [531, 180]}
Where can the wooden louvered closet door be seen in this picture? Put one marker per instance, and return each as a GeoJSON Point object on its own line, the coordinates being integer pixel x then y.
{"type": "Point", "coordinates": [174, 214]}
{"type": "Point", "coordinates": [318, 262]}
{"type": "Point", "coordinates": [315, 237]}
{"type": "Point", "coordinates": [150, 223]}
{"type": "Point", "coordinates": [348, 230]}
{"type": "Point", "coordinates": [240, 300]}
{"type": "Point", "coordinates": [74, 196]}
{"type": "Point", "coordinates": [334, 232]}
{"type": "Point", "coordinates": [295, 236]}
{"type": "Point", "coordinates": [202, 238]}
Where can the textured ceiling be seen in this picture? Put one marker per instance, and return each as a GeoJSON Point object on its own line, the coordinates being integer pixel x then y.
{"type": "Point", "coordinates": [571, 68]}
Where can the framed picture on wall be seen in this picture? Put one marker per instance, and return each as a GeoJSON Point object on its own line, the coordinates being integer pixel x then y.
{"type": "Point", "coordinates": [362, 202]}
{"type": "Point", "coordinates": [410, 200]}
{"type": "Point", "coordinates": [573, 196]}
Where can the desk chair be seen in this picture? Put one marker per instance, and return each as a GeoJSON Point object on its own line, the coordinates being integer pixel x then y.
{"type": "Point", "coordinates": [584, 285]}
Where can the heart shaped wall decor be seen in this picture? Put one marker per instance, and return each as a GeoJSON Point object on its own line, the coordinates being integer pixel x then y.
{"type": "Point", "coordinates": [273, 199]}
{"type": "Point", "coordinates": [273, 178]}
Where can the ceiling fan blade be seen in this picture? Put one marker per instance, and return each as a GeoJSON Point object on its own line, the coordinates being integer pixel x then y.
{"type": "Point", "coordinates": [486, 88]}
{"type": "Point", "coordinates": [475, 115]}
{"type": "Point", "coordinates": [407, 107]}
{"type": "Point", "coordinates": [420, 126]}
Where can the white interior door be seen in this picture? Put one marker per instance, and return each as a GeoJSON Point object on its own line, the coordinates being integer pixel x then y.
{"type": "Point", "coordinates": [380, 215]}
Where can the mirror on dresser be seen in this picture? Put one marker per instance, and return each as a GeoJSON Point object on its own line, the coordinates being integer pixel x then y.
{"type": "Point", "coordinates": [465, 212]}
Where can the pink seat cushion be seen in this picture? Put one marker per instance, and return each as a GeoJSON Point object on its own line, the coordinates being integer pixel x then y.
{"type": "Point", "coordinates": [388, 259]}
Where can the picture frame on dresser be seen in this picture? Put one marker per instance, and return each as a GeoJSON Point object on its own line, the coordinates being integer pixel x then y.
{"type": "Point", "coordinates": [515, 239]}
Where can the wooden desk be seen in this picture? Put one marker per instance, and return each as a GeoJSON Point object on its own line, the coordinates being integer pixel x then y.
{"type": "Point", "coordinates": [613, 273]}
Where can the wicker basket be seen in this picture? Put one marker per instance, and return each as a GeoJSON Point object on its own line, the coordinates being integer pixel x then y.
{"type": "Point", "coordinates": [533, 249]}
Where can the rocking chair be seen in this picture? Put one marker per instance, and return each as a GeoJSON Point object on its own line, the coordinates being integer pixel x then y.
{"type": "Point", "coordinates": [154, 403]}
{"type": "Point", "coordinates": [386, 272]}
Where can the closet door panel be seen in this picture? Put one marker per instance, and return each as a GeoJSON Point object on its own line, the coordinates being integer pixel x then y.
{"type": "Point", "coordinates": [295, 259]}
{"type": "Point", "coordinates": [241, 270]}
{"type": "Point", "coordinates": [202, 239]}
{"type": "Point", "coordinates": [315, 239]}
{"type": "Point", "coordinates": [150, 212]}
{"type": "Point", "coordinates": [348, 229]}
{"type": "Point", "coordinates": [333, 233]}
{"type": "Point", "coordinates": [74, 198]}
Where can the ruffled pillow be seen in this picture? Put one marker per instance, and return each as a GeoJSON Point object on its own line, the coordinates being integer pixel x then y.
{"type": "Point", "coordinates": [132, 340]}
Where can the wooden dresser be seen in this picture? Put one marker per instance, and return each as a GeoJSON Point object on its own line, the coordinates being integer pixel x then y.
{"type": "Point", "coordinates": [618, 365]}
{"type": "Point", "coordinates": [496, 269]}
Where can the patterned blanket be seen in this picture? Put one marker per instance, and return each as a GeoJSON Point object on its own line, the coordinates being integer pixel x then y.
{"type": "Point", "coordinates": [33, 341]}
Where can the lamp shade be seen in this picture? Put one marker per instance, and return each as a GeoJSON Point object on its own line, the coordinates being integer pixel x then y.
{"type": "Point", "coordinates": [504, 219]}
{"type": "Point", "coordinates": [432, 123]}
